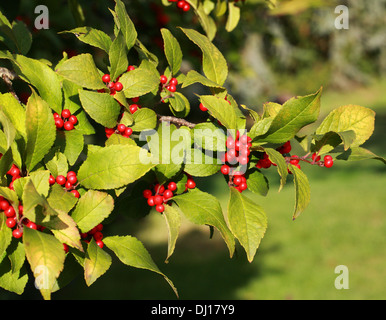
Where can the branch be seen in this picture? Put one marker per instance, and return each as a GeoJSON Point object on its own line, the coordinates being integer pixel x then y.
{"type": "Point", "coordinates": [8, 76]}
{"type": "Point", "coordinates": [177, 121]}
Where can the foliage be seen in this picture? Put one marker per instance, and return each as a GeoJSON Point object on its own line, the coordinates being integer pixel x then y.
{"type": "Point", "coordinates": [59, 189]}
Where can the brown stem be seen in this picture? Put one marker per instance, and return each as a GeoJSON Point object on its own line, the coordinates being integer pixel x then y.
{"type": "Point", "coordinates": [177, 121]}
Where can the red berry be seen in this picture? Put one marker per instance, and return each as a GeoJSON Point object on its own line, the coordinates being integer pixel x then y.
{"type": "Point", "coordinates": [66, 113]}
{"type": "Point", "coordinates": [51, 180]}
{"type": "Point", "coordinates": [121, 128]}
{"type": "Point", "coordinates": [172, 186]}
{"type": "Point", "coordinates": [171, 88]}
{"type": "Point", "coordinates": [230, 143]}
{"type": "Point", "coordinates": [294, 161]}
{"type": "Point", "coordinates": [14, 171]}
{"type": "Point", "coordinates": [17, 233]}
{"type": "Point", "coordinates": [68, 185]}
{"type": "Point", "coordinates": [98, 236]}
{"type": "Point", "coordinates": [75, 193]}
{"type": "Point", "coordinates": [158, 199]}
{"type": "Point", "coordinates": [21, 209]}
{"type": "Point", "coordinates": [133, 108]}
{"type": "Point", "coordinates": [173, 81]}
{"type": "Point", "coordinates": [60, 179]}
{"type": "Point", "coordinates": [163, 79]}
{"type": "Point", "coordinates": [68, 126]}
{"type": "Point", "coordinates": [31, 225]}
{"type": "Point", "coordinates": [225, 169]}
{"type": "Point", "coordinates": [130, 68]}
{"type": "Point", "coordinates": [65, 247]}
{"type": "Point", "coordinates": [56, 115]}
{"type": "Point", "coordinates": [243, 186]}
{"type": "Point", "coordinates": [118, 86]}
{"type": "Point", "coordinates": [237, 180]}
{"type": "Point", "coordinates": [202, 108]}
{"type": "Point", "coordinates": [160, 208]}
{"type": "Point", "coordinates": [168, 194]}
{"type": "Point", "coordinates": [150, 201]}
{"type": "Point", "coordinates": [243, 160]}
{"type": "Point", "coordinates": [59, 123]}
{"type": "Point", "coordinates": [106, 78]}
{"type": "Point", "coordinates": [100, 243]}
{"type": "Point", "coordinates": [71, 173]}
{"type": "Point", "coordinates": [10, 222]}
{"type": "Point", "coordinates": [186, 7]}
{"type": "Point", "coordinates": [73, 119]}
{"type": "Point", "coordinates": [147, 193]}
{"type": "Point", "coordinates": [128, 132]}
{"type": "Point", "coordinates": [4, 205]}
{"type": "Point", "coordinates": [109, 131]}
{"type": "Point", "coordinates": [10, 212]}
{"type": "Point", "coordinates": [190, 184]}
{"type": "Point", "coordinates": [328, 163]}
{"type": "Point", "coordinates": [180, 4]}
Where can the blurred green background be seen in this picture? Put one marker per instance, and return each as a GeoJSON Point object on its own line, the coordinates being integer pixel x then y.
{"type": "Point", "coordinates": [271, 57]}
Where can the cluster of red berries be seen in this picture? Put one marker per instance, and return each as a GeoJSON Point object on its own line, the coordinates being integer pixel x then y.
{"type": "Point", "coordinates": [238, 151]}
{"type": "Point", "coordinates": [12, 219]}
{"type": "Point", "coordinates": [66, 120]}
{"type": "Point", "coordinates": [239, 181]}
{"type": "Point", "coordinates": [119, 129]}
{"type": "Point", "coordinates": [14, 172]}
{"type": "Point", "coordinates": [113, 86]}
{"type": "Point", "coordinates": [160, 196]}
{"type": "Point", "coordinates": [67, 181]}
{"type": "Point", "coordinates": [182, 4]}
{"type": "Point", "coordinates": [95, 233]}
{"type": "Point", "coordinates": [170, 85]}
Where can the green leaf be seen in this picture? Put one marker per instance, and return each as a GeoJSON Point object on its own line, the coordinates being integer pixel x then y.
{"type": "Point", "coordinates": [118, 57]}
{"type": "Point", "coordinates": [213, 62]}
{"type": "Point", "coordinates": [56, 163]}
{"type": "Point", "coordinates": [92, 208]}
{"type": "Point", "coordinates": [22, 36]}
{"type": "Point", "coordinates": [302, 190]}
{"type": "Point", "coordinates": [97, 262]}
{"type": "Point", "coordinates": [144, 119]}
{"type": "Point", "coordinates": [329, 140]}
{"type": "Point", "coordinates": [351, 117]}
{"type": "Point", "coordinates": [72, 144]}
{"type": "Point", "coordinates": [173, 223]}
{"type": "Point", "coordinates": [140, 81]}
{"type": "Point", "coordinates": [210, 136]}
{"type": "Point", "coordinates": [172, 50]}
{"type": "Point", "coordinates": [204, 209]}
{"type": "Point", "coordinates": [40, 130]}
{"type": "Point", "coordinates": [247, 221]}
{"type": "Point", "coordinates": [278, 159]}
{"type": "Point", "coordinates": [5, 236]}
{"type": "Point", "coordinates": [40, 181]}
{"type": "Point", "coordinates": [201, 163]}
{"type": "Point", "coordinates": [82, 71]}
{"type": "Point", "coordinates": [113, 167]}
{"type": "Point", "coordinates": [358, 154]}
{"type": "Point", "coordinates": [46, 256]}
{"type": "Point", "coordinates": [221, 110]}
{"type": "Point", "coordinates": [233, 16]}
{"type": "Point", "coordinates": [43, 78]}
{"type": "Point", "coordinates": [12, 281]}
{"type": "Point", "coordinates": [14, 112]}
{"type": "Point", "coordinates": [132, 253]}
{"type": "Point", "coordinates": [125, 25]}
{"type": "Point", "coordinates": [9, 129]}
{"type": "Point", "coordinates": [92, 36]}
{"type": "Point", "coordinates": [195, 77]}
{"type": "Point", "coordinates": [294, 115]}
{"type": "Point", "coordinates": [257, 182]}
{"type": "Point", "coordinates": [206, 21]}
{"type": "Point", "coordinates": [101, 107]}
{"type": "Point", "coordinates": [61, 199]}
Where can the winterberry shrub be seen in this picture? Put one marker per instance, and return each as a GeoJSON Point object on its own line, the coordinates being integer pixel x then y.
{"type": "Point", "coordinates": [59, 190]}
